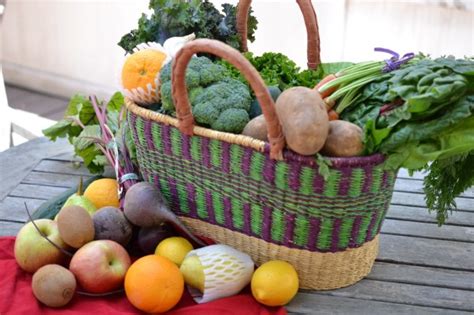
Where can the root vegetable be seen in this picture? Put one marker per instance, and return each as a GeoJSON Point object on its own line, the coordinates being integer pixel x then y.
{"type": "Point", "coordinates": [344, 139]}
{"type": "Point", "coordinates": [304, 119]}
{"type": "Point", "coordinates": [257, 128]}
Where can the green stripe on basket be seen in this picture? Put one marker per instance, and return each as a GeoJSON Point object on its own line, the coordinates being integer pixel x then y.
{"type": "Point", "coordinates": [256, 216]}
{"type": "Point", "coordinates": [201, 203]}
{"type": "Point", "coordinates": [183, 198]}
{"type": "Point", "coordinates": [278, 225]}
{"type": "Point", "coordinates": [237, 213]}
{"type": "Point", "coordinates": [363, 229]}
{"type": "Point", "coordinates": [156, 134]}
{"type": "Point", "coordinates": [196, 149]}
{"type": "Point", "coordinates": [357, 182]}
{"type": "Point", "coordinates": [345, 232]}
{"type": "Point", "coordinates": [301, 231]}
{"type": "Point", "coordinates": [256, 166]}
{"type": "Point", "coordinates": [176, 142]}
{"type": "Point", "coordinates": [377, 175]}
{"type": "Point", "coordinates": [235, 158]}
{"type": "Point", "coordinates": [331, 187]}
{"type": "Point", "coordinates": [139, 124]}
{"type": "Point", "coordinates": [165, 189]}
{"type": "Point", "coordinates": [281, 175]}
{"type": "Point", "coordinates": [306, 179]}
{"type": "Point", "coordinates": [325, 234]}
{"type": "Point", "coordinates": [216, 153]}
{"type": "Point", "coordinates": [218, 207]}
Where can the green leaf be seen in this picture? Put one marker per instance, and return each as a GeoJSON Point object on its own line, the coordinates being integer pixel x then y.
{"type": "Point", "coordinates": [88, 155]}
{"type": "Point", "coordinates": [58, 130]}
{"type": "Point", "coordinates": [323, 166]}
{"type": "Point", "coordinates": [116, 102]}
{"type": "Point", "coordinates": [89, 136]}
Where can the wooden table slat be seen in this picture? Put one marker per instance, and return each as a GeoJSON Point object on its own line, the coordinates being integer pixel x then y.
{"type": "Point", "coordinates": [316, 303]}
{"type": "Point", "coordinates": [13, 208]}
{"type": "Point", "coordinates": [53, 179]}
{"type": "Point", "coordinates": [409, 199]}
{"type": "Point", "coordinates": [419, 214]}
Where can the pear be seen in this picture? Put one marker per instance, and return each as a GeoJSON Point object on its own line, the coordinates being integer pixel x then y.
{"type": "Point", "coordinates": [193, 272]}
{"type": "Point", "coordinates": [78, 199]}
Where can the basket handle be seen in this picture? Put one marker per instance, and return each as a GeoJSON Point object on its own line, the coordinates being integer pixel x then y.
{"type": "Point", "coordinates": [181, 99]}
{"type": "Point", "coordinates": [310, 20]}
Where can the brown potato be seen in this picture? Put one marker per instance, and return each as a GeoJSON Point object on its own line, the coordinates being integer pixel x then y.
{"type": "Point", "coordinates": [344, 139]}
{"type": "Point", "coordinates": [304, 119]}
{"type": "Point", "coordinates": [257, 128]}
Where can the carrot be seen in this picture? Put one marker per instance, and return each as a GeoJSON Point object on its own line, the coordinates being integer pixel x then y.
{"type": "Point", "coordinates": [329, 103]}
{"type": "Point", "coordinates": [321, 83]}
{"type": "Point", "coordinates": [333, 115]}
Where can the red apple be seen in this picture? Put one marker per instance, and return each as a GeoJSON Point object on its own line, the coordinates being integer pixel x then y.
{"type": "Point", "coordinates": [33, 251]}
{"type": "Point", "coordinates": [100, 266]}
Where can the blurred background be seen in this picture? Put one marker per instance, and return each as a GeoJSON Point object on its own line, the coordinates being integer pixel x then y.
{"type": "Point", "coordinates": [52, 49]}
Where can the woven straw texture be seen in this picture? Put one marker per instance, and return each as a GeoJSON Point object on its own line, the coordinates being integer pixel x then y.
{"type": "Point", "coordinates": [279, 209]}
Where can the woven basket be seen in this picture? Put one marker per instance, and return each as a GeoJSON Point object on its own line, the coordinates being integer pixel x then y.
{"type": "Point", "coordinates": [268, 202]}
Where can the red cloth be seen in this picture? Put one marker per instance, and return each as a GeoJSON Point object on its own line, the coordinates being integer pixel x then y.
{"type": "Point", "coordinates": [16, 297]}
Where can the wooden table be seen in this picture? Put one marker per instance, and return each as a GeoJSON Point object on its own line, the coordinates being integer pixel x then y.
{"type": "Point", "coordinates": [421, 269]}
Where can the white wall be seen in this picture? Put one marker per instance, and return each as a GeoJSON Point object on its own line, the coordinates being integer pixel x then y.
{"type": "Point", "coordinates": [68, 46]}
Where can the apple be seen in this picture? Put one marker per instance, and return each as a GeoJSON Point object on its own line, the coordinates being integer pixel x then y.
{"type": "Point", "coordinates": [100, 266]}
{"type": "Point", "coordinates": [33, 251]}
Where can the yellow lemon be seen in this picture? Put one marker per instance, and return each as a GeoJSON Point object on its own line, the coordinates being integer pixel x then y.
{"type": "Point", "coordinates": [274, 283]}
{"type": "Point", "coordinates": [174, 248]}
{"type": "Point", "coordinates": [103, 193]}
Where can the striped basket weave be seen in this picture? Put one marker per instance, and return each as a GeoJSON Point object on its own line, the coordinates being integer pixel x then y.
{"type": "Point", "coordinates": [269, 203]}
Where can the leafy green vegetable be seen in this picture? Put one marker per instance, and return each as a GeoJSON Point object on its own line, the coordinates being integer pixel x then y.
{"type": "Point", "coordinates": [422, 117]}
{"type": "Point", "coordinates": [178, 18]}
{"type": "Point", "coordinates": [279, 70]}
{"type": "Point", "coordinates": [81, 126]}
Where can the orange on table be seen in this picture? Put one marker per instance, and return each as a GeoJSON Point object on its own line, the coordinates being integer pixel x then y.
{"type": "Point", "coordinates": [141, 68]}
{"type": "Point", "coordinates": [154, 284]}
{"type": "Point", "coordinates": [103, 193]}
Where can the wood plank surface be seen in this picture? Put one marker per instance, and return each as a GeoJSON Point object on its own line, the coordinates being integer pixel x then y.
{"type": "Point", "coordinates": [53, 179]}
{"type": "Point", "coordinates": [421, 214]}
{"type": "Point", "coordinates": [316, 303]}
{"type": "Point", "coordinates": [13, 208]}
{"type": "Point", "coordinates": [405, 198]}
{"type": "Point", "coordinates": [427, 252]}
{"type": "Point", "coordinates": [9, 228]}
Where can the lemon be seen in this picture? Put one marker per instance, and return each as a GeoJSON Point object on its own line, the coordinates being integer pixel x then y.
{"type": "Point", "coordinates": [193, 272]}
{"type": "Point", "coordinates": [274, 283]}
{"type": "Point", "coordinates": [174, 248]}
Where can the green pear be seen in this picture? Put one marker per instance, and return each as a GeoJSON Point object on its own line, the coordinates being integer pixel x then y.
{"type": "Point", "coordinates": [193, 272]}
{"type": "Point", "coordinates": [78, 199]}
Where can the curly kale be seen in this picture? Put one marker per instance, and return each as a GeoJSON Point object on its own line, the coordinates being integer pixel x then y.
{"type": "Point", "coordinates": [178, 18]}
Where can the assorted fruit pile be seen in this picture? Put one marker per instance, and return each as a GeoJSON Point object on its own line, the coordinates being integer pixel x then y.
{"type": "Point", "coordinates": [90, 246]}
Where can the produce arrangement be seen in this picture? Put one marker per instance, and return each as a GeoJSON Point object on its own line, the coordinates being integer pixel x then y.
{"type": "Point", "coordinates": [417, 111]}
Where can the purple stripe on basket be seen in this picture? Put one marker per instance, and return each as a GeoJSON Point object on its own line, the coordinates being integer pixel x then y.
{"type": "Point", "coordinates": [367, 178]}
{"type": "Point", "coordinates": [267, 224]}
{"type": "Point", "coordinates": [226, 157]}
{"type": "Point", "coordinates": [385, 179]}
{"type": "Point", "coordinates": [355, 231]}
{"type": "Point", "coordinates": [206, 155]}
{"type": "Point", "coordinates": [149, 136]}
{"type": "Point", "coordinates": [174, 202]}
{"type": "Point", "coordinates": [246, 159]}
{"type": "Point", "coordinates": [318, 184]}
{"type": "Point", "coordinates": [247, 216]}
{"type": "Point", "coordinates": [345, 181]}
{"type": "Point", "coordinates": [289, 231]}
{"type": "Point", "coordinates": [228, 213]}
{"type": "Point", "coordinates": [186, 147]}
{"type": "Point", "coordinates": [335, 235]}
{"type": "Point", "coordinates": [294, 176]}
{"type": "Point", "coordinates": [269, 170]}
{"type": "Point", "coordinates": [156, 181]}
{"type": "Point", "coordinates": [314, 227]}
{"type": "Point", "coordinates": [166, 139]}
{"type": "Point", "coordinates": [191, 190]}
{"type": "Point", "coordinates": [368, 237]}
{"type": "Point", "coordinates": [133, 125]}
{"type": "Point", "coordinates": [210, 207]}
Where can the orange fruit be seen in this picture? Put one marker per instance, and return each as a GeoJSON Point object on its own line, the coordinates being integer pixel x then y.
{"type": "Point", "coordinates": [103, 192]}
{"type": "Point", "coordinates": [141, 68]}
{"type": "Point", "coordinates": [154, 284]}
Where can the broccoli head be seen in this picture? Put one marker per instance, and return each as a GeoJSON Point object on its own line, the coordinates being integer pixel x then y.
{"type": "Point", "coordinates": [217, 100]}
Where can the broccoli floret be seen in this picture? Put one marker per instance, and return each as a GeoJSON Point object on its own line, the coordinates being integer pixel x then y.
{"type": "Point", "coordinates": [231, 120]}
{"type": "Point", "coordinates": [211, 94]}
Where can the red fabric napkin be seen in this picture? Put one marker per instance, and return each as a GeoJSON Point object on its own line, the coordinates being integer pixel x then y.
{"type": "Point", "coordinates": [16, 297]}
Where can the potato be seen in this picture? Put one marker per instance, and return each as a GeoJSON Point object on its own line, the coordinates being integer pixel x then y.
{"type": "Point", "coordinates": [257, 128]}
{"type": "Point", "coordinates": [304, 119]}
{"type": "Point", "coordinates": [344, 139]}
